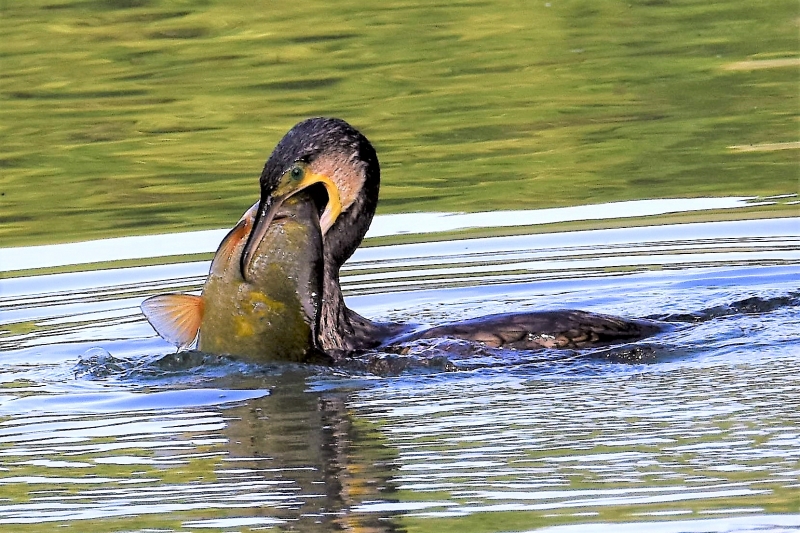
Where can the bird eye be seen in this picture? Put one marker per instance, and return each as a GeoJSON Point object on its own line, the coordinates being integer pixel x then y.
{"type": "Point", "coordinates": [296, 173]}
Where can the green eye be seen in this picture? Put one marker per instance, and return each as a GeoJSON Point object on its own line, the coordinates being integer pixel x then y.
{"type": "Point", "coordinates": [296, 173]}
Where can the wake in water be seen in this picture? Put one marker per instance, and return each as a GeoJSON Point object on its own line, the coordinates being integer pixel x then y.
{"type": "Point", "coordinates": [748, 306]}
{"type": "Point", "coordinates": [679, 339]}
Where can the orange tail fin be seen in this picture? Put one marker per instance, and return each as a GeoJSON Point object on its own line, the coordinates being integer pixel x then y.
{"type": "Point", "coordinates": [176, 317]}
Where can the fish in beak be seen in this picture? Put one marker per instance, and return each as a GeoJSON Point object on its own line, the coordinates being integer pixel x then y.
{"type": "Point", "coordinates": [274, 314]}
{"type": "Point", "coordinates": [294, 180]}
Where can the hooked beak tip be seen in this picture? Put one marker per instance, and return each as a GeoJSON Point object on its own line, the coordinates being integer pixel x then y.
{"type": "Point", "coordinates": [246, 258]}
{"type": "Point", "coordinates": [250, 243]}
{"type": "Point", "coordinates": [264, 214]}
{"type": "Point", "coordinates": [243, 262]}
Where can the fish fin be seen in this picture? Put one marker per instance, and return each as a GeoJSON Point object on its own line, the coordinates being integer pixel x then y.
{"type": "Point", "coordinates": [250, 215]}
{"type": "Point", "coordinates": [176, 317]}
{"type": "Point", "coordinates": [233, 239]}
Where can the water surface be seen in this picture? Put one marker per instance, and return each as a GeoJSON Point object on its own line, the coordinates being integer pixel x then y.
{"type": "Point", "coordinates": [104, 428]}
{"type": "Point", "coordinates": [129, 118]}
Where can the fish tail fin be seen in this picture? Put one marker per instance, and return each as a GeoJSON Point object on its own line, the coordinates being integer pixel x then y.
{"type": "Point", "coordinates": [176, 317]}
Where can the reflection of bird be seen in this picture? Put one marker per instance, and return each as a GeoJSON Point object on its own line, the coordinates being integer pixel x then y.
{"type": "Point", "coordinates": [331, 159]}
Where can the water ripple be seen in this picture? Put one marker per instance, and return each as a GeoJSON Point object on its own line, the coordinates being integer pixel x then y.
{"type": "Point", "coordinates": [102, 423]}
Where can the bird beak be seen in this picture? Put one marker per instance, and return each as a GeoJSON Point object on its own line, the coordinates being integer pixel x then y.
{"type": "Point", "coordinates": [271, 202]}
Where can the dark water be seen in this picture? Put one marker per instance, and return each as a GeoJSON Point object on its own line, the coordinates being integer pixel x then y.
{"type": "Point", "coordinates": [103, 428]}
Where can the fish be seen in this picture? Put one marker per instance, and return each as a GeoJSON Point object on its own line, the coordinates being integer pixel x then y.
{"type": "Point", "coordinates": [272, 312]}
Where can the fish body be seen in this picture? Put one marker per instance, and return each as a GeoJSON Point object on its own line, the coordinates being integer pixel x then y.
{"type": "Point", "coordinates": [273, 314]}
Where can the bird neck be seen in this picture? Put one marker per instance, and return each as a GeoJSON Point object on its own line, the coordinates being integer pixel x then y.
{"type": "Point", "coordinates": [335, 332]}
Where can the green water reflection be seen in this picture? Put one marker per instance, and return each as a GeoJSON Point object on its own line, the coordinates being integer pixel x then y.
{"type": "Point", "coordinates": [123, 117]}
